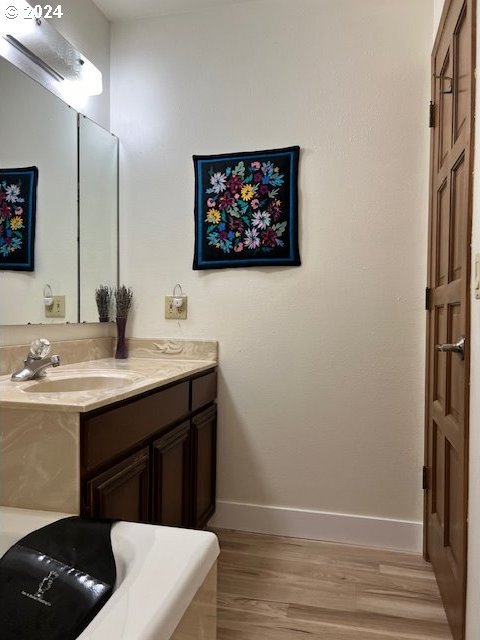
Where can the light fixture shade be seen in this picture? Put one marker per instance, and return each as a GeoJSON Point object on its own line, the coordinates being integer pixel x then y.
{"type": "Point", "coordinates": [42, 43]}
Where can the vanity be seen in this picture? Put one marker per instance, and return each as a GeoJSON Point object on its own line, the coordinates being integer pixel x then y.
{"type": "Point", "coordinates": [151, 458]}
{"type": "Point", "coordinates": [133, 440]}
{"type": "Point", "coordinates": [127, 439]}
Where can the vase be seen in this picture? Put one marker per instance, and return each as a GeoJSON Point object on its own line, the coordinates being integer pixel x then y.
{"type": "Point", "coordinates": [121, 350]}
{"type": "Point", "coordinates": [104, 319]}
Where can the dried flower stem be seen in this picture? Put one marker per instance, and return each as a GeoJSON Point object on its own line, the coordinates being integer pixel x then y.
{"type": "Point", "coordinates": [123, 300]}
{"type": "Point", "coordinates": [103, 297]}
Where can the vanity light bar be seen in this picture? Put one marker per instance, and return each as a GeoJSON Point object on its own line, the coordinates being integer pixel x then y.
{"type": "Point", "coordinates": [31, 56]}
{"type": "Point", "coordinates": [42, 44]}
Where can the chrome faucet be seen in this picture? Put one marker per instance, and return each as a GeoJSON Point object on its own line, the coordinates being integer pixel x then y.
{"type": "Point", "coordinates": [36, 362]}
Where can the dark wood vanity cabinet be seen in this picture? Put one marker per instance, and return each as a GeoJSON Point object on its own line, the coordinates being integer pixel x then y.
{"type": "Point", "coordinates": [153, 458]}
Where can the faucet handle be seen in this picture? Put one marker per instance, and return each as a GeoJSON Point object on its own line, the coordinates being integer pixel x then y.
{"type": "Point", "coordinates": [40, 348]}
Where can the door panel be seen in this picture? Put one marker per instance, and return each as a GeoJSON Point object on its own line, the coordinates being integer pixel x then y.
{"type": "Point", "coordinates": [122, 491]}
{"type": "Point", "coordinates": [445, 104]}
{"type": "Point", "coordinates": [171, 478]}
{"type": "Point", "coordinates": [442, 233]}
{"type": "Point", "coordinates": [459, 206]}
{"type": "Point", "coordinates": [448, 316]}
{"type": "Point", "coordinates": [439, 370]}
{"type": "Point", "coordinates": [462, 38]}
{"type": "Point", "coordinates": [204, 434]}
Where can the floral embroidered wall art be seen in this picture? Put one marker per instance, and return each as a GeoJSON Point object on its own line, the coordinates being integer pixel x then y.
{"type": "Point", "coordinates": [18, 193]}
{"type": "Point", "coordinates": [246, 209]}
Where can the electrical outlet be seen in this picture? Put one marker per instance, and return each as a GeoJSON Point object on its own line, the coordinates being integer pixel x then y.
{"type": "Point", "coordinates": [57, 308]}
{"type": "Point", "coordinates": [175, 313]}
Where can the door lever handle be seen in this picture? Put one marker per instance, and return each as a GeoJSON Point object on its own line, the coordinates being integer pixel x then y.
{"type": "Point", "coordinates": [456, 347]}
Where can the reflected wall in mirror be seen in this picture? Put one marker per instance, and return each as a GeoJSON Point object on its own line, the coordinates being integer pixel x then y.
{"type": "Point", "coordinates": [76, 235]}
{"type": "Point", "coordinates": [37, 129]}
{"type": "Point", "coordinates": [98, 220]}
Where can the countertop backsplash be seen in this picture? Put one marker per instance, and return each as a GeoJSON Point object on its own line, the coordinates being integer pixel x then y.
{"type": "Point", "coordinates": [83, 350]}
{"type": "Point", "coordinates": [70, 351]}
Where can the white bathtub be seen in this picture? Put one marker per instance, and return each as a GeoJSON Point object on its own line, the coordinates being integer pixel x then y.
{"type": "Point", "coordinates": [166, 579]}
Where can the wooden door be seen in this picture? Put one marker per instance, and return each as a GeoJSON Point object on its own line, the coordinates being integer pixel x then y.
{"type": "Point", "coordinates": [171, 478]}
{"type": "Point", "coordinates": [204, 436]}
{"type": "Point", "coordinates": [448, 294]}
{"type": "Point", "coordinates": [122, 492]}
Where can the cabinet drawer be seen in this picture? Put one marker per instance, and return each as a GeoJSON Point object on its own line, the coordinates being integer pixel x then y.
{"type": "Point", "coordinates": [204, 390]}
{"type": "Point", "coordinates": [109, 434]}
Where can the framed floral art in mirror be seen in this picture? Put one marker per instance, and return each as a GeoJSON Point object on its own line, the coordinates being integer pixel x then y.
{"type": "Point", "coordinates": [18, 194]}
{"type": "Point", "coordinates": [246, 209]}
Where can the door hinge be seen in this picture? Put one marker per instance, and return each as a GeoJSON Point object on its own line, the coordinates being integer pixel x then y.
{"type": "Point", "coordinates": [431, 115]}
{"type": "Point", "coordinates": [428, 298]}
{"type": "Point", "coordinates": [425, 478]}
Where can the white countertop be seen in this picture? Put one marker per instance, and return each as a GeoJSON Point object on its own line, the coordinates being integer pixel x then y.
{"type": "Point", "coordinates": [144, 374]}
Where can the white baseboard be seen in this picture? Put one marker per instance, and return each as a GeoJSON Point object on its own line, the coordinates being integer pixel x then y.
{"type": "Point", "coordinates": [401, 535]}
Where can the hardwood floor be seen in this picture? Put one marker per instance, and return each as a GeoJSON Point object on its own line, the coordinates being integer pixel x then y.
{"type": "Point", "coordinates": [272, 588]}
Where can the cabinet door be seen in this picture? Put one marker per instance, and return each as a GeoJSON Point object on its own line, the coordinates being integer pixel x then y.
{"type": "Point", "coordinates": [171, 477]}
{"type": "Point", "coordinates": [122, 492]}
{"type": "Point", "coordinates": [204, 437]}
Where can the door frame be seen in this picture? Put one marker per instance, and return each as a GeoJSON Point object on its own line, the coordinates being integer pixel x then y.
{"type": "Point", "coordinates": [468, 276]}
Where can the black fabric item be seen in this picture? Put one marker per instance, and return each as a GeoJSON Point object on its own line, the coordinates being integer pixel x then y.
{"type": "Point", "coordinates": [55, 580]}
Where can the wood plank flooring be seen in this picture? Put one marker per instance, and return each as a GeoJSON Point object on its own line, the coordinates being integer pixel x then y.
{"type": "Point", "coordinates": [272, 588]}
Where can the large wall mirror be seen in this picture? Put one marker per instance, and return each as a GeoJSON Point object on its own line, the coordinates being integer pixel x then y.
{"type": "Point", "coordinates": [98, 213]}
{"type": "Point", "coordinates": [76, 222]}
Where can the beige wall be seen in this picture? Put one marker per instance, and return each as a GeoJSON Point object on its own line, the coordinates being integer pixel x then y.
{"type": "Point", "coordinates": [322, 367]}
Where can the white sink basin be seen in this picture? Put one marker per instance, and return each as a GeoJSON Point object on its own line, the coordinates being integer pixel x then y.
{"type": "Point", "coordinates": [84, 381]}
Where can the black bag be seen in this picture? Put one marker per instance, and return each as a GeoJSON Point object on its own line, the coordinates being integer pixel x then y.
{"type": "Point", "coordinates": [55, 580]}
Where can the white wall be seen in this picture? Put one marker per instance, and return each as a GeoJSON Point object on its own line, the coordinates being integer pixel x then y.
{"type": "Point", "coordinates": [322, 367]}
